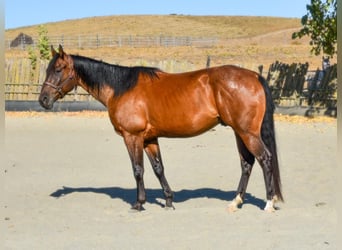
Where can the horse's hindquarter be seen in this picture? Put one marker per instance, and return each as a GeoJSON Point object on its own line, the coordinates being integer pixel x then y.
{"type": "Point", "coordinates": [240, 98]}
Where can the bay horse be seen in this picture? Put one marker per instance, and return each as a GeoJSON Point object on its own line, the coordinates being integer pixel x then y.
{"type": "Point", "coordinates": [145, 103]}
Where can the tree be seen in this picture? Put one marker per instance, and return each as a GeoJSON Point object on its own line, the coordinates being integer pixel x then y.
{"type": "Point", "coordinates": [33, 58]}
{"type": "Point", "coordinates": [43, 43]}
{"type": "Point", "coordinates": [43, 47]}
{"type": "Point", "coordinates": [320, 23]}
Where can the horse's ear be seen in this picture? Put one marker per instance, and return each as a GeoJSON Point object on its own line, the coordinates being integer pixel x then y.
{"type": "Point", "coordinates": [53, 51]}
{"type": "Point", "coordinates": [61, 51]}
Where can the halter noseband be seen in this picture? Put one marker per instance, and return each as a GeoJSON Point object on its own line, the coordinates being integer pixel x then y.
{"type": "Point", "coordinates": [59, 87]}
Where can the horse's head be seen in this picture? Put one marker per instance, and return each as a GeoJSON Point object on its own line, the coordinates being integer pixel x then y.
{"type": "Point", "coordinates": [60, 78]}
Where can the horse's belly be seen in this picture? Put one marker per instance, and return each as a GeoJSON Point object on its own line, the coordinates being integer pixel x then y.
{"type": "Point", "coordinates": [186, 127]}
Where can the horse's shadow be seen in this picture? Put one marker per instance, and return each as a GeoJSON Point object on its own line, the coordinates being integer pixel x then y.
{"type": "Point", "coordinates": [154, 195]}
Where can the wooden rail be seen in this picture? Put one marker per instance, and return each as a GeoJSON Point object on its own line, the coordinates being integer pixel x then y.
{"type": "Point", "coordinates": [291, 85]}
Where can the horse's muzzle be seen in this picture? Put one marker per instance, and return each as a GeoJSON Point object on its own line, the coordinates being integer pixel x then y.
{"type": "Point", "coordinates": [46, 102]}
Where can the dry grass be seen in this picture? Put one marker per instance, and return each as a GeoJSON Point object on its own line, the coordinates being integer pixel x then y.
{"type": "Point", "coordinates": [247, 41]}
{"type": "Point", "coordinates": [224, 27]}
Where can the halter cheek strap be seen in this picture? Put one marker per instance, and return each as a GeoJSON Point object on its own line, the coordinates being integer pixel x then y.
{"type": "Point", "coordinates": [58, 88]}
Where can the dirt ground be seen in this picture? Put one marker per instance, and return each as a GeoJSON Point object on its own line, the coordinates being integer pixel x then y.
{"type": "Point", "coordinates": [69, 185]}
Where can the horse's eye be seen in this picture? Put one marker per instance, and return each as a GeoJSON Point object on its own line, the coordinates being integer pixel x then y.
{"type": "Point", "coordinates": [59, 70]}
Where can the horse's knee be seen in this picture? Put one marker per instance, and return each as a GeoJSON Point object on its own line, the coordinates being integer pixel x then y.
{"type": "Point", "coordinates": [138, 172]}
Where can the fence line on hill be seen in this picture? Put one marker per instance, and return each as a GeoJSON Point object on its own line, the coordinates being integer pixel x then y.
{"type": "Point", "coordinates": [97, 41]}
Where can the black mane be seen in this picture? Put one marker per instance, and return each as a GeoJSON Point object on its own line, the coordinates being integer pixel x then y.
{"type": "Point", "coordinates": [97, 74]}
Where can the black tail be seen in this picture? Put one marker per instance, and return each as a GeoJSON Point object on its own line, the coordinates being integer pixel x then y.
{"type": "Point", "coordinates": [268, 137]}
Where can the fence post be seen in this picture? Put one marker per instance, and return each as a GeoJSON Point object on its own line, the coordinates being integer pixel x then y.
{"type": "Point", "coordinates": [23, 42]}
{"type": "Point", "coordinates": [62, 40]}
{"type": "Point", "coordinates": [119, 41]}
{"type": "Point", "coordinates": [260, 68]}
{"type": "Point", "coordinates": [130, 41]}
{"type": "Point", "coordinates": [208, 61]}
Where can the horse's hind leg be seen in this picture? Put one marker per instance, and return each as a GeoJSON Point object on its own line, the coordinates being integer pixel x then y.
{"type": "Point", "coordinates": [247, 160]}
{"type": "Point", "coordinates": [153, 152]}
{"type": "Point", "coordinates": [256, 146]}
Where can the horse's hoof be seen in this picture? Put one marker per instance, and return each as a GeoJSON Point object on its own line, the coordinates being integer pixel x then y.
{"type": "Point", "coordinates": [270, 207]}
{"type": "Point", "coordinates": [168, 207]}
{"type": "Point", "coordinates": [232, 207]}
{"type": "Point", "coordinates": [137, 207]}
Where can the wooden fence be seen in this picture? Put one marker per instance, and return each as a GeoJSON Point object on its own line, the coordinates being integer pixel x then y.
{"type": "Point", "coordinates": [294, 85]}
{"type": "Point", "coordinates": [291, 85]}
{"type": "Point", "coordinates": [24, 84]}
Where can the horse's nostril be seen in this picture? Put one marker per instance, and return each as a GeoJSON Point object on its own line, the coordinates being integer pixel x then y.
{"type": "Point", "coordinates": [43, 99]}
{"type": "Point", "coordinates": [44, 102]}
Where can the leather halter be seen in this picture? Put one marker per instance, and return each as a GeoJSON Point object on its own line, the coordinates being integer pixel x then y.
{"type": "Point", "coordinates": [58, 88]}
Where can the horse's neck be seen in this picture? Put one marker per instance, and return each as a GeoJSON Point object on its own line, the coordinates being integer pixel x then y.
{"type": "Point", "coordinates": [86, 71]}
{"type": "Point", "coordinates": [102, 94]}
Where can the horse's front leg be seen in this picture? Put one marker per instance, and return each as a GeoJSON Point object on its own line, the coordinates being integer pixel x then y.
{"type": "Point", "coordinates": [153, 152]}
{"type": "Point", "coordinates": [134, 146]}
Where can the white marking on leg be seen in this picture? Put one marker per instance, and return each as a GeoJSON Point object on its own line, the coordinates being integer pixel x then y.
{"type": "Point", "coordinates": [233, 206]}
{"type": "Point", "coordinates": [270, 204]}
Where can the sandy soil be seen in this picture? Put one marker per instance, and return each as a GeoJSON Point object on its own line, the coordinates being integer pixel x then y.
{"type": "Point", "coordinates": [69, 185]}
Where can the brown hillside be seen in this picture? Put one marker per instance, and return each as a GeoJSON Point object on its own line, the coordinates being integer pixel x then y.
{"type": "Point", "coordinates": [248, 41]}
{"type": "Point", "coordinates": [174, 25]}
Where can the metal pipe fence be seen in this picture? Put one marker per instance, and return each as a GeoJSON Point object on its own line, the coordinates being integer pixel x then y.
{"type": "Point", "coordinates": [96, 41]}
